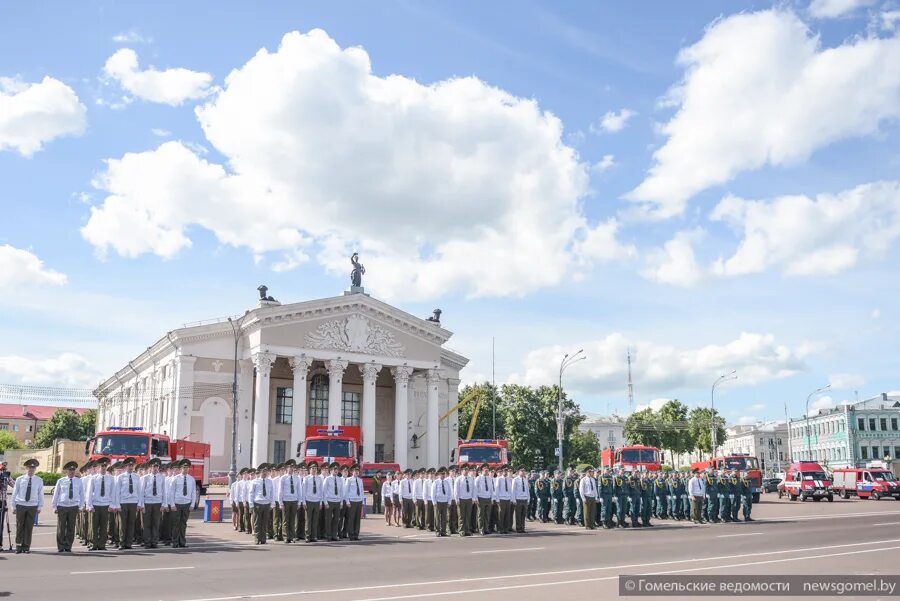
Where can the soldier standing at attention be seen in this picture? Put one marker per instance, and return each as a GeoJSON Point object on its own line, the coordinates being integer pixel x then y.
{"type": "Point", "coordinates": [428, 485]}
{"type": "Point", "coordinates": [165, 524]}
{"type": "Point", "coordinates": [661, 494]}
{"type": "Point", "coordinates": [26, 504]}
{"type": "Point", "coordinates": [68, 499]}
{"type": "Point", "coordinates": [542, 491]}
{"type": "Point", "coordinates": [385, 493]}
{"type": "Point", "coordinates": [288, 499]}
{"type": "Point", "coordinates": [419, 495]}
{"type": "Point", "coordinates": [532, 496]}
{"type": "Point", "coordinates": [313, 501]}
{"type": "Point", "coordinates": [232, 499]}
{"type": "Point", "coordinates": [746, 496]}
{"type": "Point", "coordinates": [113, 526]}
{"type": "Point", "coordinates": [453, 508]}
{"type": "Point", "coordinates": [464, 493]}
{"type": "Point", "coordinates": [647, 494]}
{"type": "Point", "coordinates": [153, 494]}
{"type": "Point", "coordinates": [262, 500]}
{"type": "Point", "coordinates": [354, 495]}
{"type": "Point", "coordinates": [333, 501]}
{"type": "Point", "coordinates": [441, 493]}
{"type": "Point", "coordinates": [128, 503]}
{"type": "Point", "coordinates": [377, 493]}
{"type": "Point", "coordinates": [558, 496]}
{"type": "Point", "coordinates": [521, 494]}
{"type": "Point", "coordinates": [407, 499]}
{"type": "Point", "coordinates": [623, 495]}
{"type": "Point", "coordinates": [712, 497]}
{"type": "Point", "coordinates": [570, 492]}
{"type": "Point", "coordinates": [587, 489]}
{"type": "Point", "coordinates": [484, 491]}
{"type": "Point", "coordinates": [685, 497]}
{"type": "Point", "coordinates": [725, 494]}
{"type": "Point", "coordinates": [182, 496]}
{"type": "Point", "coordinates": [605, 491]}
{"type": "Point", "coordinates": [343, 528]}
{"type": "Point", "coordinates": [276, 519]}
{"type": "Point", "coordinates": [503, 494]}
{"type": "Point", "coordinates": [674, 490]}
{"type": "Point", "coordinates": [736, 496]}
{"type": "Point", "coordinates": [395, 498]}
{"type": "Point", "coordinates": [634, 485]}
{"type": "Point", "coordinates": [98, 498]}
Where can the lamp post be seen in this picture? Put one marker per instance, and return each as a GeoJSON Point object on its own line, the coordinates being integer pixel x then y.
{"type": "Point", "coordinates": [236, 332]}
{"type": "Point", "coordinates": [712, 407]}
{"type": "Point", "coordinates": [808, 433]}
{"type": "Point", "coordinates": [567, 360]}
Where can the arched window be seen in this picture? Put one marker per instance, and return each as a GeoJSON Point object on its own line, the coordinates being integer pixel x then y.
{"type": "Point", "coordinates": [318, 400]}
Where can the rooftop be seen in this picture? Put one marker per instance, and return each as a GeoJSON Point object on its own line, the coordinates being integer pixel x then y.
{"type": "Point", "coordinates": [38, 412]}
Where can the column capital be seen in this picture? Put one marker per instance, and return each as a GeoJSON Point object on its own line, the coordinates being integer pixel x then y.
{"type": "Point", "coordinates": [263, 362]}
{"type": "Point", "coordinates": [401, 374]}
{"type": "Point", "coordinates": [433, 376]}
{"type": "Point", "coordinates": [301, 363]}
{"type": "Point", "coordinates": [336, 367]}
{"type": "Point", "coordinates": [369, 371]}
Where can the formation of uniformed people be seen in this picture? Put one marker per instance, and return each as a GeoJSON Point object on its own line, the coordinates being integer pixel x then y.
{"type": "Point", "coordinates": [294, 501]}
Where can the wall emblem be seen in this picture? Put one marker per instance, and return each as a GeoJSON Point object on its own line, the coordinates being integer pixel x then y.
{"type": "Point", "coordinates": [355, 334]}
{"type": "Point", "coordinates": [217, 365]}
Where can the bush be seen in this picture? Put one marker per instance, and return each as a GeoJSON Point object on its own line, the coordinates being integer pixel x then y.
{"type": "Point", "coordinates": [50, 479]}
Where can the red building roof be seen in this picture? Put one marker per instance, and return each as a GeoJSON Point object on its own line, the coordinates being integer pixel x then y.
{"type": "Point", "coordinates": [38, 412]}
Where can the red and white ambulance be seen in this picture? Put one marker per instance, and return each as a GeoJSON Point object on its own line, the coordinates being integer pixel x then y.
{"type": "Point", "coordinates": [806, 480]}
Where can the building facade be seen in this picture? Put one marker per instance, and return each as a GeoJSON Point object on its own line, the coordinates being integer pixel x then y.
{"type": "Point", "coordinates": [348, 360]}
{"type": "Point", "coordinates": [24, 421]}
{"type": "Point", "coordinates": [849, 435]}
{"type": "Point", "coordinates": [768, 442]}
{"type": "Point", "coordinates": [609, 430]}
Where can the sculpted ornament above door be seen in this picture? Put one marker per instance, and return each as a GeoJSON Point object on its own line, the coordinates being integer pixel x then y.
{"type": "Point", "coordinates": [355, 334]}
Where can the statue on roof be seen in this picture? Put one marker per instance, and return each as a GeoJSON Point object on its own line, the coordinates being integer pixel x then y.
{"type": "Point", "coordinates": [357, 272]}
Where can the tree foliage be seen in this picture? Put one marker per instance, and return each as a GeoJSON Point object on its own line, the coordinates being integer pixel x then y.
{"type": "Point", "coordinates": [700, 423]}
{"type": "Point", "coordinates": [584, 449]}
{"type": "Point", "coordinates": [8, 441]}
{"type": "Point", "coordinates": [65, 424]}
{"type": "Point", "coordinates": [529, 415]}
{"type": "Point", "coordinates": [675, 428]}
{"type": "Point", "coordinates": [643, 427]}
{"type": "Point", "coordinates": [484, 428]}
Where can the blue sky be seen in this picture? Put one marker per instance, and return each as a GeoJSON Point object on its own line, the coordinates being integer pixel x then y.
{"type": "Point", "coordinates": [714, 190]}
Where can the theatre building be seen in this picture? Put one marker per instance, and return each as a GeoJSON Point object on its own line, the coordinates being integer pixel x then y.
{"type": "Point", "coordinates": [349, 360]}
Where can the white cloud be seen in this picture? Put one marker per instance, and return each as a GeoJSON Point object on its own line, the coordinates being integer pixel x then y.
{"type": "Point", "coordinates": [740, 110]}
{"type": "Point", "coordinates": [162, 133]}
{"type": "Point", "coordinates": [68, 369]}
{"type": "Point", "coordinates": [747, 420]}
{"type": "Point", "coordinates": [876, 313]}
{"type": "Point", "coordinates": [23, 268]}
{"type": "Point", "coordinates": [613, 121]}
{"type": "Point", "coordinates": [846, 381]}
{"type": "Point", "coordinates": [655, 404]}
{"type": "Point", "coordinates": [605, 164]}
{"type": "Point", "coordinates": [172, 86]}
{"type": "Point", "coordinates": [132, 36]}
{"type": "Point", "coordinates": [806, 236]}
{"type": "Point", "coordinates": [675, 263]}
{"type": "Point", "coordinates": [319, 149]}
{"type": "Point", "coordinates": [833, 9]}
{"type": "Point", "coordinates": [660, 368]}
{"type": "Point", "coordinates": [33, 114]}
{"type": "Point", "coordinates": [890, 19]}
{"type": "Point", "coordinates": [601, 243]}
{"type": "Point", "coordinates": [758, 407]}
{"type": "Point", "coordinates": [821, 403]}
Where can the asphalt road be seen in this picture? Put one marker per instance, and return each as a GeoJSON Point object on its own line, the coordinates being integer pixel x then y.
{"type": "Point", "coordinates": [844, 537]}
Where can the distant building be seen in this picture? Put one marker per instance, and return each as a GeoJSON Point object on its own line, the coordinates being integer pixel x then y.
{"type": "Point", "coordinates": [24, 421]}
{"type": "Point", "coordinates": [609, 430]}
{"type": "Point", "coordinates": [849, 435]}
{"type": "Point", "coordinates": [768, 442]}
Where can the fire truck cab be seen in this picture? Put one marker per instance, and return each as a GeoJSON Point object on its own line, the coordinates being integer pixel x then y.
{"type": "Point", "coordinates": [873, 482]}
{"type": "Point", "coordinates": [634, 457]}
{"type": "Point", "coordinates": [806, 480]}
{"type": "Point", "coordinates": [743, 462]}
{"type": "Point", "coordinates": [325, 445]}
{"type": "Point", "coordinates": [494, 453]}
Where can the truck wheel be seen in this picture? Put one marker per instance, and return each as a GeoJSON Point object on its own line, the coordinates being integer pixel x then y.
{"type": "Point", "coordinates": [830, 498]}
{"type": "Point", "coordinates": [817, 499]}
{"type": "Point", "coordinates": [793, 497]}
{"type": "Point", "coordinates": [876, 495]}
{"type": "Point", "coordinates": [756, 497]}
{"type": "Point", "coordinates": [844, 494]}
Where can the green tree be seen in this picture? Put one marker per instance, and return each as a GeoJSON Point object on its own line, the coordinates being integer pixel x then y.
{"type": "Point", "coordinates": [8, 441]}
{"type": "Point", "coordinates": [63, 424]}
{"type": "Point", "coordinates": [529, 417]}
{"type": "Point", "coordinates": [643, 427]}
{"type": "Point", "coordinates": [484, 428]}
{"type": "Point", "coordinates": [700, 423]}
{"type": "Point", "coordinates": [87, 422]}
{"type": "Point", "coordinates": [674, 433]}
{"type": "Point", "coordinates": [584, 448]}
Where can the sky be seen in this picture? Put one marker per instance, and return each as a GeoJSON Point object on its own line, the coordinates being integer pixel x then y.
{"type": "Point", "coordinates": [710, 191]}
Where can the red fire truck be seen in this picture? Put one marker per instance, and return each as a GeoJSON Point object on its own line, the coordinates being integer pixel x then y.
{"type": "Point", "coordinates": [120, 443]}
{"type": "Point", "coordinates": [479, 451]}
{"type": "Point", "coordinates": [736, 461]}
{"type": "Point", "coordinates": [636, 457]}
{"type": "Point", "coordinates": [341, 444]}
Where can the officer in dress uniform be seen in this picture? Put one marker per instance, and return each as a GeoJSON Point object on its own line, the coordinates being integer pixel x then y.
{"type": "Point", "coordinates": [675, 490]}
{"type": "Point", "coordinates": [300, 522]}
{"type": "Point", "coordinates": [313, 502]}
{"type": "Point", "coordinates": [532, 496]}
{"type": "Point", "coordinates": [262, 500]}
{"type": "Point", "coordinates": [521, 499]}
{"type": "Point", "coordinates": [128, 502]}
{"type": "Point", "coordinates": [649, 488]}
{"type": "Point", "coordinates": [558, 497]}
{"type": "Point", "coordinates": [746, 496]}
{"type": "Point", "coordinates": [661, 496]}
{"type": "Point", "coordinates": [153, 495]}
{"type": "Point", "coordinates": [570, 492]}
{"type": "Point", "coordinates": [27, 501]}
{"type": "Point", "coordinates": [623, 495]}
{"type": "Point", "coordinates": [726, 493]}
{"type": "Point", "coordinates": [80, 519]}
{"type": "Point", "coordinates": [441, 494]}
{"type": "Point", "coordinates": [354, 495]}
{"type": "Point", "coordinates": [712, 497]}
{"type": "Point", "coordinates": [453, 507]}
{"type": "Point", "coordinates": [503, 495]}
{"type": "Point", "coordinates": [587, 490]}
{"type": "Point", "coordinates": [167, 517]}
{"type": "Point", "coordinates": [113, 529]}
{"type": "Point", "coordinates": [395, 499]}
{"type": "Point", "coordinates": [464, 492]}
{"type": "Point", "coordinates": [98, 498]}
{"type": "Point", "coordinates": [634, 507]}
{"type": "Point", "coordinates": [429, 502]}
{"type": "Point", "coordinates": [334, 500]}
{"type": "Point", "coordinates": [484, 492]}
{"type": "Point", "coordinates": [288, 494]}
{"type": "Point", "coordinates": [343, 527]}
{"type": "Point", "coordinates": [685, 497]}
{"type": "Point", "coordinates": [377, 493]}
{"type": "Point", "coordinates": [606, 489]}
{"type": "Point", "coordinates": [736, 496]}
{"type": "Point", "coordinates": [182, 495]}
{"type": "Point", "coordinates": [68, 499]}
{"type": "Point", "coordinates": [542, 489]}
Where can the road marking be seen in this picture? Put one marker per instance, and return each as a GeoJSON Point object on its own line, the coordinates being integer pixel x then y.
{"type": "Point", "coordinates": [887, 524]}
{"type": "Point", "coordinates": [134, 570]}
{"type": "Point", "coordinates": [601, 578]}
{"type": "Point", "coordinates": [744, 534]}
{"type": "Point", "coordinates": [537, 574]}
{"type": "Point", "coordinates": [825, 516]}
{"type": "Point", "coordinates": [508, 550]}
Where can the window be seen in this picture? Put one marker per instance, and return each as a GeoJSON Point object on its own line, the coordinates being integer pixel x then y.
{"type": "Point", "coordinates": [861, 424]}
{"type": "Point", "coordinates": [875, 453]}
{"type": "Point", "coordinates": [279, 450]}
{"type": "Point", "coordinates": [284, 405]}
{"type": "Point", "coordinates": [884, 423]}
{"type": "Point", "coordinates": [15, 427]}
{"type": "Point", "coordinates": [318, 401]}
{"type": "Point", "coordinates": [350, 409]}
{"type": "Point", "coordinates": [893, 423]}
{"type": "Point", "coordinates": [4, 426]}
{"type": "Point", "coordinates": [896, 453]}
{"type": "Point", "coordinates": [864, 451]}
{"type": "Point", "coordinates": [886, 452]}
{"type": "Point", "coordinates": [872, 424]}
{"type": "Point", "coordinates": [379, 452]}
{"type": "Point", "coordinates": [780, 456]}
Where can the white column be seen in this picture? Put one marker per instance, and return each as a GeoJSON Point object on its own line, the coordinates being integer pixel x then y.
{"type": "Point", "coordinates": [183, 397]}
{"type": "Point", "coordinates": [401, 409]}
{"type": "Point", "coordinates": [336, 369]}
{"type": "Point", "coordinates": [245, 413]}
{"type": "Point", "coordinates": [453, 420]}
{"type": "Point", "coordinates": [433, 435]}
{"type": "Point", "coordinates": [300, 365]}
{"type": "Point", "coordinates": [369, 373]}
{"type": "Point", "coordinates": [263, 363]}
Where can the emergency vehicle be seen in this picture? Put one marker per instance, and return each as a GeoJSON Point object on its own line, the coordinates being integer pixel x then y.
{"type": "Point", "coordinates": [118, 443]}
{"type": "Point", "coordinates": [872, 482]}
{"type": "Point", "coordinates": [479, 451]}
{"type": "Point", "coordinates": [324, 445]}
{"type": "Point", "coordinates": [742, 462]}
{"type": "Point", "coordinates": [636, 457]}
{"type": "Point", "coordinates": [806, 480]}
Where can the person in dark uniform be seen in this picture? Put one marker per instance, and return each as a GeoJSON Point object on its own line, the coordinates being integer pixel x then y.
{"type": "Point", "coordinates": [558, 496]}
{"type": "Point", "coordinates": [747, 496]}
{"type": "Point", "coordinates": [376, 493]}
{"type": "Point", "coordinates": [649, 488]}
{"type": "Point", "coordinates": [623, 496]}
{"type": "Point", "coordinates": [661, 494]}
{"type": "Point", "coordinates": [441, 493]}
{"type": "Point", "coordinates": [726, 493]}
{"type": "Point", "coordinates": [712, 497]}
{"type": "Point", "coordinates": [606, 488]}
{"type": "Point", "coordinates": [570, 492]}
{"type": "Point", "coordinates": [532, 496]}
{"type": "Point", "coordinates": [634, 508]}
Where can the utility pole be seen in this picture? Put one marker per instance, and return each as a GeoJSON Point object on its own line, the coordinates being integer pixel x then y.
{"type": "Point", "coordinates": [493, 390]}
{"type": "Point", "coordinates": [630, 386]}
{"type": "Point", "coordinates": [560, 419]}
{"type": "Point", "coordinates": [712, 406]}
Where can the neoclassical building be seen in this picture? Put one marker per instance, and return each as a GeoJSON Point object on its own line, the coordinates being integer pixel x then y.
{"type": "Point", "coordinates": [350, 359]}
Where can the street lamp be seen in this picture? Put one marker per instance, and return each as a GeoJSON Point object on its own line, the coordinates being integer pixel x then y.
{"type": "Point", "coordinates": [712, 406]}
{"type": "Point", "coordinates": [236, 331]}
{"type": "Point", "coordinates": [567, 360]}
{"type": "Point", "coordinates": [808, 433]}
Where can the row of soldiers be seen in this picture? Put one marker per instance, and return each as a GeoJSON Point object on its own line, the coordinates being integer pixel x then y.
{"type": "Point", "coordinates": [104, 502]}
{"type": "Point", "coordinates": [291, 501]}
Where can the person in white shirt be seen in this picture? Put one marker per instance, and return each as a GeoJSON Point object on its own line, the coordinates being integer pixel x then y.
{"type": "Point", "coordinates": [334, 500]}
{"type": "Point", "coordinates": [261, 498]}
{"type": "Point", "coordinates": [407, 499]}
{"type": "Point", "coordinates": [441, 493]}
{"type": "Point", "coordinates": [521, 494]}
{"type": "Point", "coordinates": [244, 496]}
{"type": "Point", "coordinates": [418, 485]}
{"type": "Point", "coordinates": [354, 496]}
{"type": "Point", "coordinates": [464, 493]}
{"type": "Point", "coordinates": [182, 494]}
{"type": "Point", "coordinates": [128, 502]}
{"type": "Point", "coordinates": [68, 499]}
{"type": "Point", "coordinates": [343, 531]}
{"type": "Point", "coordinates": [453, 508]}
{"type": "Point", "coordinates": [484, 490]}
{"type": "Point", "coordinates": [427, 485]}
{"type": "Point", "coordinates": [289, 492]}
{"type": "Point", "coordinates": [697, 492]}
{"type": "Point", "coordinates": [27, 501]}
{"type": "Point", "coordinates": [233, 500]}
{"type": "Point", "coordinates": [98, 498]}
{"type": "Point", "coordinates": [395, 497]}
{"type": "Point", "coordinates": [388, 497]}
{"type": "Point", "coordinates": [503, 496]}
{"type": "Point", "coordinates": [587, 489]}
{"type": "Point", "coordinates": [313, 501]}
{"type": "Point", "coordinates": [153, 495]}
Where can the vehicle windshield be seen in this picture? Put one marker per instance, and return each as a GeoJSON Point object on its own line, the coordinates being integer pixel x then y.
{"type": "Point", "coordinates": [121, 444]}
{"type": "Point", "coordinates": [815, 476]}
{"type": "Point", "coordinates": [740, 463]}
{"type": "Point", "coordinates": [479, 454]}
{"type": "Point", "coordinates": [884, 476]}
{"type": "Point", "coordinates": [640, 456]}
{"type": "Point", "coordinates": [328, 448]}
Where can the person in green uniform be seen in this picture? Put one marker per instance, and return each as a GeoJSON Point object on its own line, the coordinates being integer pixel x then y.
{"type": "Point", "coordinates": [532, 496]}
{"type": "Point", "coordinates": [685, 497]}
{"type": "Point", "coordinates": [558, 497]}
{"type": "Point", "coordinates": [635, 505]}
{"type": "Point", "coordinates": [544, 500]}
{"type": "Point", "coordinates": [376, 493]}
{"type": "Point", "coordinates": [725, 493]}
{"type": "Point", "coordinates": [649, 489]}
{"type": "Point", "coordinates": [661, 495]}
{"type": "Point", "coordinates": [570, 492]}
{"type": "Point", "coordinates": [623, 496]}
{"type": "Point", "coordinates": [746, 496]}
{"type": "Point", "coordinates": [735, 495]}
{"type": "Point", "coordinates": [712, 497]}
{"type": "Point", "coordinates": [605, 490]}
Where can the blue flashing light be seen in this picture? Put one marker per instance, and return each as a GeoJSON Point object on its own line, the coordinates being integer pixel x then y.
{"type": "Point", "coordinates": [330, 432]}
{"type": "Point", "coordinates": [485, 440]}
{"type": "Point", "coordinates": [124, 429]}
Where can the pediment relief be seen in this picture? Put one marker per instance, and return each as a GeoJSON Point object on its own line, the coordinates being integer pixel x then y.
{"type": "Point", "coordinates": [356, 334]}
